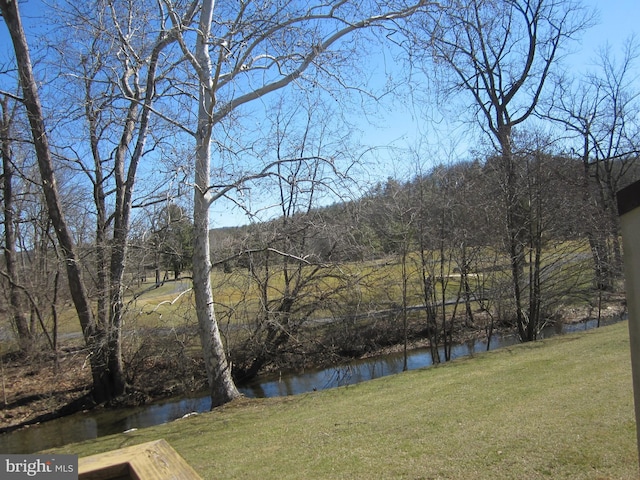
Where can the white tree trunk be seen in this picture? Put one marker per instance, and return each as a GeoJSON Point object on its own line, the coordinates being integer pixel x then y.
{"type": "Point", "coordinates": [281, 70]}
{"type": "Point", "coordinates": [221, 383]}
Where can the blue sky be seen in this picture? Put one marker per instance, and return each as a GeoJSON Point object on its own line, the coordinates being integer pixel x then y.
{"type": "Point", "coordinates": [617, 21]}
{"type": "Point", "coordinates": [401, 126]}
{"type": "Point", "coordinates": [398, 131]}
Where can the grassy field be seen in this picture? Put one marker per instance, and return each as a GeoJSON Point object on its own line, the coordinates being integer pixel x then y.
{"type": "Point", "coordinates": [362, 286]}
{"type": "Point", "coordinates": [560, 408]}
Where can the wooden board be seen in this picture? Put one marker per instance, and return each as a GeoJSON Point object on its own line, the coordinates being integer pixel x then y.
{"type": "Point", "coordinates": [148, 461]}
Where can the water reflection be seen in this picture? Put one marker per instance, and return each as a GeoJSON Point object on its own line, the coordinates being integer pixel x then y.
{"type": "Point", "coordinates": [360, 370]}
{"type": "Point", "coordinates": [96, 423]}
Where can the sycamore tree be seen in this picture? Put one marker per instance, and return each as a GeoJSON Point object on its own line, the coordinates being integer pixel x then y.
{"type": "Point", "coordinates": [240, 53]}
{"type": "Point", "coordinates": [123, 73]}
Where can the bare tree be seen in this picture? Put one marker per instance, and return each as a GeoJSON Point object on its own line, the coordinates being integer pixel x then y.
{"type": "Point", "coordinates": [600, 112]}
{"type": "Point", "coordinates": [426, 268]}
{"type": "Point", "coordinates": [171, 240]}
{"type": "Point", "coordinates": [119, 74]}
{"type": "Point", "coordinates": [17, 298]}
{"type": "Point", "coordinates": [396, 217]}
{"type": "Point", "coordinates": [31, 100]}
{"type": "Point", "coordinates": [501, 53]}
{"type": "Point", "coordinates": [292, 259]}
{"type": "Point", "coordinates": [242, 53]}
{"type": "Point", "coordinates": [32, 270]}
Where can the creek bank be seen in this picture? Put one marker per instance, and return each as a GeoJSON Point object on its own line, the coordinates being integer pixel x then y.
{"type": "Point", "coordinates": [105, 421]}
{"type": "Point", "coordinates": [37, 393]}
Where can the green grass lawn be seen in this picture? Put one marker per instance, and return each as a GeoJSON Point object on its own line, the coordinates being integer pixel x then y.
{"type": "Point", "coordinates": [561, 408]}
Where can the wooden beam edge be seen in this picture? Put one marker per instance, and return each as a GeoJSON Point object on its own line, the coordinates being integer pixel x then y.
{"type": "Point", "coordinates": [155, 460]}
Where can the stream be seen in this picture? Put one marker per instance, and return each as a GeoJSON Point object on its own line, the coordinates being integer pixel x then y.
{"type": "Point", "coordinates": [96, 423]}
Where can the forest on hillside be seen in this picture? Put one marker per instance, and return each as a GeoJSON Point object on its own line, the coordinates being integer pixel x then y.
{"type": "Point", "coordinates": [429, 251]}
